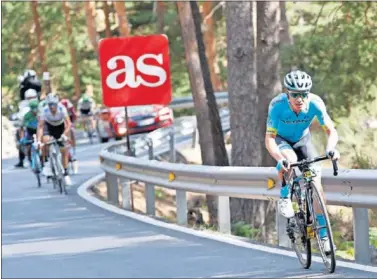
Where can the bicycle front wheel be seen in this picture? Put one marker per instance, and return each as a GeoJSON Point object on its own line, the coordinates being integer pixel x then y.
{"type": "Point", "coordinates": [327, 256]}
{"type": "Point", "coordinates": [297, 230]}
{"type": "Point", "coordinates": [36, 163]}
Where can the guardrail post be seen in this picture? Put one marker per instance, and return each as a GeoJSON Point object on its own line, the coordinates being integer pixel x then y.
{"type": "Point", "coordinates": [224, 214]}
{"type": "Point", "coordinates": [361, 235]}
{"type": "Point", "coordinates": [281, 229]}
{"type": "Point", "coordinates": [180, 195]}
{"type": "Point", "coordinates": [112, 188]}
{"type": "Point", "coordinates": [181, 207]}
{"type": "Point", "coordinates": [149, 188]}
{"type": "Point", "coordinates": [150, 149]}
{"type": "Point", "coordinates": [126, 193]}
{"type": "Point", "coordinates": [194, 136]}
{"type": "Point", "coordinates": [172, 145]}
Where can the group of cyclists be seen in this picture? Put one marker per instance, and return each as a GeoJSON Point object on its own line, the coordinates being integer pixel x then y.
{"type": "Point", "coordinates": [288, 138]}
{"type": "Point", "coordinates": [46, 117]}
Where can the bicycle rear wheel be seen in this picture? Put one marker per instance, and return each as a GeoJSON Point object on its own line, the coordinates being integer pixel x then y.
{"type": "Point", "coordinates": [297, 229]}
{"type": "Point", "coordinates": [328, 258]}
{"type": "Point", "coordinates": [61, 181]}
{"type": "Point", "coordinates": [54, 173]}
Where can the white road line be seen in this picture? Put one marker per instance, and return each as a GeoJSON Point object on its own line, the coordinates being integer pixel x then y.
{"type": "Point", "coordinates": [83, 192]}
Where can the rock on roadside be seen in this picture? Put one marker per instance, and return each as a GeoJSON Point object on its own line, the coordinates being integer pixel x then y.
{"type": "Point", "coordinates": [8, 141]}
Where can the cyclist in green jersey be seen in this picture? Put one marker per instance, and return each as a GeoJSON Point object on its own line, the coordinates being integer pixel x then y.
{"type": "Point", "coordinates": [29, 125]}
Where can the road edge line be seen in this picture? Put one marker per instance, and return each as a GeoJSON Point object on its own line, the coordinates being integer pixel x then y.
{"type": "Point", "coordinates": [82, 191]}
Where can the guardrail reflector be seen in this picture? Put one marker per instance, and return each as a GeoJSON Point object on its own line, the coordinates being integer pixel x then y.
{"type": "Point", "coordinates": [171, 176]}
{"type": "Point", "coordinates": [118, 166]}
{"type": "Point", "coordinates": [270, 183]}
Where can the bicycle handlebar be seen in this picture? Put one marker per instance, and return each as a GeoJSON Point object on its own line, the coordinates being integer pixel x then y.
{"type": "Point", "coordinates": [306, 162]}
{"type": "Point", "coordinates": [54, 140]}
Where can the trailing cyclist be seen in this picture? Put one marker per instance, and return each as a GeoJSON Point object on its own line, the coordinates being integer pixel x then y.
{"type": "Point", "coordinates": [23, 106]}
{"type": "Point", "coordinates": [86, 106]}
{"type": "Point", "coordinates": [72, 116]}
{"type": "Point", "coordinates": [29, 125]}
{"type": "Point", "coordinates": [54, 122]}
{"type": "Point", "coordinates": [288, 137]}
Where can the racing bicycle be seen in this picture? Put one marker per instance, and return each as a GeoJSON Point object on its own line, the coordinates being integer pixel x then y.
{"type": "Point", "coordinates": [88, 126]}
{"type": "Point", "coordinates": [303, 226]}
{"type": "Point", "coordinates": [56, 165]}
{"type": "Point", "coordinates": [35, 160]}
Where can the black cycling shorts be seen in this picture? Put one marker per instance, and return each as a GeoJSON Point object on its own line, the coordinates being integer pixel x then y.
{"type": "Point", "coordinates": [85, 112]}
{"type": "Point", "coordinates": [54, 131]}
{"type": "Point", "coordinates": [304, 148]}
{"type": "Point", "coordinates": [29, 132]}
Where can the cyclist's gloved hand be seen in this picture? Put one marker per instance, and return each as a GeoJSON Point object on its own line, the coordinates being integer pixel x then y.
{"type": "Point", "coordinates": [280, 165]}
{"type": "Point", "coordinates": [334, 152]}
{"type": "Point", "coordinates": [64, 138]}
{"type": "Point", "coordinates": [23, 141]}
{"type": "Point", "coordinates": [37, 144]}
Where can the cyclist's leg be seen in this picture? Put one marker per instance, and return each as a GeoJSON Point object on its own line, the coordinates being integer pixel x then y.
{"type": "Point", "coordinates": [73, 141]}
{"type": "Point", "coordinates": [29, 137]}
{"type": "Point", "coordinates": [285, 203]}
{"type": "Point", "coordinates": [21, 155]}
{"type": "Point", "coordinates": [83, 118]}
{"type": "Point", "coordinates": [47, 134]}
{"type": "Point", "coordinates": [57, 132]}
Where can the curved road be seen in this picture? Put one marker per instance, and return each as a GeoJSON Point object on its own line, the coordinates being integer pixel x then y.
{"type": "Point", "coordinates": [46, 235]}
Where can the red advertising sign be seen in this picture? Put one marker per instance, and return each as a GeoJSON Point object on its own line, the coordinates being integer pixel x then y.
{"type": "Point", "coordinates": [135, 71]}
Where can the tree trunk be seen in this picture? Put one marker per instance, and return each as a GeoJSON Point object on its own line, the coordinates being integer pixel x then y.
{"type": "Point", "coordinates": [75, 68]}
{"type": "Point", "coordinates": [160, 11]}
{"type": "Point", "coordinates": [122, 18]}
{"type": "Point", "coordinates": [243, 97]}
{"type": "Point", "coordinates": [210, 131]}
{"type": "Point", "coordinates": [38, 30]}
{"type": "Point", "coordinates": [269, 82]}
{"type": "Point", "coordinates": [210, 42]}
{"type": "Point", "coordinates": [221, 156]}
{"type": "Point", "coordinates": [285, 38]}
{"type": "Point", "coordinates": [107, 20]}
{"type": "Point", "coordinates": [90, 10]}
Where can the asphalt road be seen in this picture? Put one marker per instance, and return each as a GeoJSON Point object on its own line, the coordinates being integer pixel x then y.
{"type": "Point", "coordinates": [48, 235]}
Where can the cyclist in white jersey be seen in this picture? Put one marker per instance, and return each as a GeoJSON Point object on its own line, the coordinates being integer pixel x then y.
{"type": "Point", "coordinates": [85, 108]}
{"type": "Point", "coordinates": [54, 122]}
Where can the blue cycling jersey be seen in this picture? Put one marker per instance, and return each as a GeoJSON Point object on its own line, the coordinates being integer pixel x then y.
{"type": "Point", "coordinates": [283, 121]}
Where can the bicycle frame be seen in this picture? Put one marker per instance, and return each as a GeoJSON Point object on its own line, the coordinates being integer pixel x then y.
{"type": "Point", "coordinates": [56, 164]}
{"type": "Point", "coordinates": [305, 219]}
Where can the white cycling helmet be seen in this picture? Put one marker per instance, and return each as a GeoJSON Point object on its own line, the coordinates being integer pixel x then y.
{"type": "Point", "coordinates": [298, 81]}
{"type": "Point", "coordinates": [29, 73]}
{"type": "Point", "coordinates": [52, 98]}
{"type": "Point", "coordinates": [31, 94]}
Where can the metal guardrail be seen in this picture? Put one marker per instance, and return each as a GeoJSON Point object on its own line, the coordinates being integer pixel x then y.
{"type": "Point", "coordinates": [187, 102]}
{"type": "Point", "coordinates": [354, 188]}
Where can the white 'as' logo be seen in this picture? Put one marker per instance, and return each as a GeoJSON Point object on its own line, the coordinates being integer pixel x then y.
{"type": "Point", "coordinates": [131, 79]}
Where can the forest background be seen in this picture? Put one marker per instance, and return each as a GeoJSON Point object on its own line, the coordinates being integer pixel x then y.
{"type": "Point", "coordinates": [247, 56]}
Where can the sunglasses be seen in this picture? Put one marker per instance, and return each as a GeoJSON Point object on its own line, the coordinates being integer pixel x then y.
{"type": "Point", "coordinates": [295, 95]}
{"type": "Point", "coordinates": [52, 105]}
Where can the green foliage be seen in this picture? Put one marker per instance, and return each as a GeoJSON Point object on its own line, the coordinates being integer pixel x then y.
{"type": "Point", "coordinates": [340, 54]}
{"type": "Point", "coordinates": [335, 42]}
{"type": "Point", "coordinates": [17, 47]}
{"type": "Point", "coordinates": [245, 230]}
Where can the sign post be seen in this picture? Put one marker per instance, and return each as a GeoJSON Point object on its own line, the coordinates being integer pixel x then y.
{"type": "Point", "coordinates": [127, 134]}
{"type": "Point", "coordinates": [135, 71]}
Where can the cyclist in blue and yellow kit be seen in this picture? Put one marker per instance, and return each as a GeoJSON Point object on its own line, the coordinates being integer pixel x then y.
{"type": "Point", "coordinates": [288, 136]}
